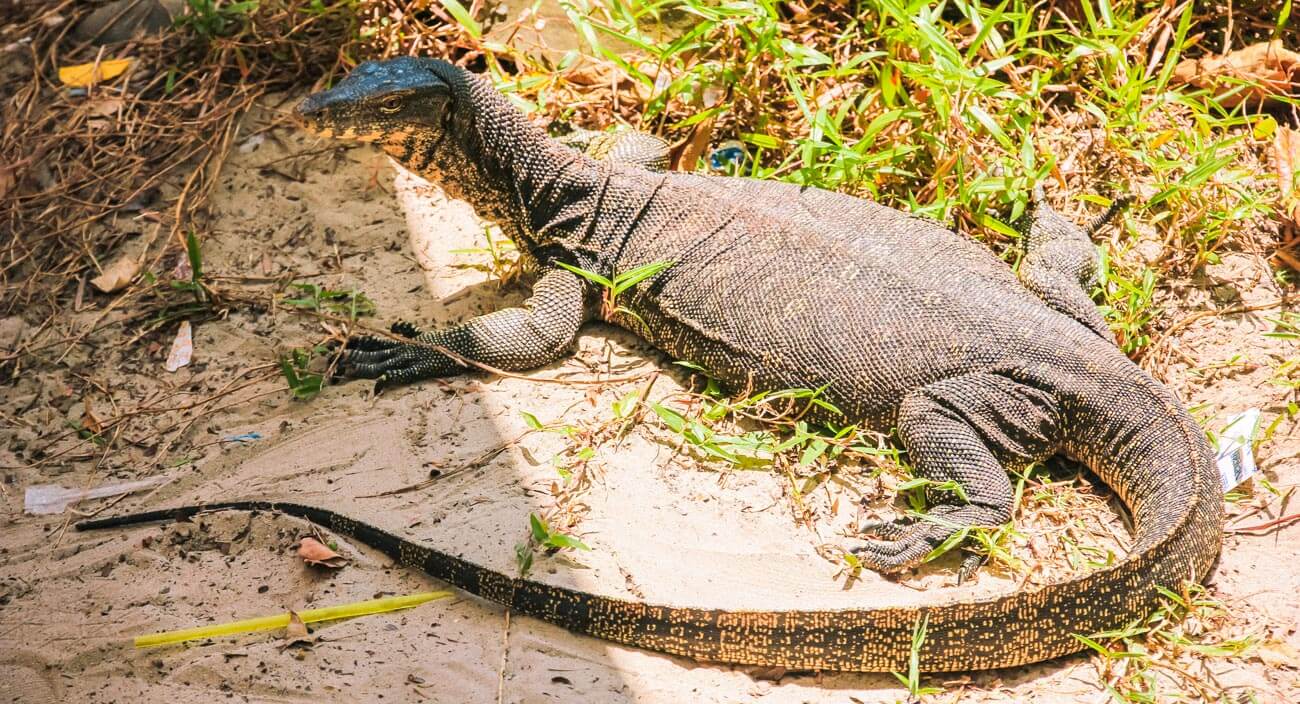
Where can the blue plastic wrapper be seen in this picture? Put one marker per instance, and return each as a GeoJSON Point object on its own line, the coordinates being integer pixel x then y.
{"type": "Point", "coordinates": [730, 157]}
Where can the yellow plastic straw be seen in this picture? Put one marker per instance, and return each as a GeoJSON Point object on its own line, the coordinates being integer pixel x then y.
{"type": "Point", "coordinates": [267, 623]}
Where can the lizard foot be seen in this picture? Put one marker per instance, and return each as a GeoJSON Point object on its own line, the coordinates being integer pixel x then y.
{"type": "Point", "coordinates": [906, 543]}
{"type": "Point", "coordinates": [389, 361]}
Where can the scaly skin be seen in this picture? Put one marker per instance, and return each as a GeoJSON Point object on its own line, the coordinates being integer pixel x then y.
{"type": "Point", "coordinates": [623, 146]}
{"type": "Point", "coordinates": [907, 325]}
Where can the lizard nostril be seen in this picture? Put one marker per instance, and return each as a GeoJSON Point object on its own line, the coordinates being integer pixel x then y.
{"type": "Point", "coordinates": [309, 108]}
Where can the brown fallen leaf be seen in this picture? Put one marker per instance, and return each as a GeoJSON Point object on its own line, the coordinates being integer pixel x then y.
{"type": "Point", "coordinates": [117, 274]}
{"type": "Point", "coordinates": [103, 107]}
{"type": "Point", "coordinates": [695, 147]}
{"type": "Point", "coordinates": [1278, 653]}
{"type": "Point", "coordinates": [314, 552]}
{"type": "Point", "coordinates": [296, 633]}
{"type": "Point", "coordinates": [1286, 148]}
{"type": "Point", "coordinates": [88, 419]}
{"type": "Point", "coordinates": [101, 111]}
{"type": "Point", "coordinates": [1272, 69]}
{"type": "Point", "coordinates": [591, 73]}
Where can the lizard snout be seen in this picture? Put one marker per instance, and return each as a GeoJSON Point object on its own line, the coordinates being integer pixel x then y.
{"type": "Point", "coordinates": [309, 111]}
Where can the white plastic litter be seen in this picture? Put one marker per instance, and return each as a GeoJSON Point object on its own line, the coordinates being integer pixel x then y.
{"type": "Point", "coordinates": [251, 144]}
{"type": "Point", "coordinates": [1236, 449]}
{"type": "Point", "coordinates": [182, 348]}
{"type": "Point", "coordinates": [44, 499]}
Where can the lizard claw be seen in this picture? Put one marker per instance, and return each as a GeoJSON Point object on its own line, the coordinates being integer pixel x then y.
{"type": "Point", "coordinates": [969, 566]}
{"type": "Point", "coordinates": [907, 544]}
{"type": "Point", "coordinates": [905, 551]}
{"type": "Point", "coordinates": [405, 329]}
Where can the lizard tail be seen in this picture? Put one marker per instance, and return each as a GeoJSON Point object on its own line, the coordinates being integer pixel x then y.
{"type": "Point", "coordinates": [1178, 522]}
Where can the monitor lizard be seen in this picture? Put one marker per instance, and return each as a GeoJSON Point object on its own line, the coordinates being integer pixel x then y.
{"type": "Point", "coordinates": [906, 325]}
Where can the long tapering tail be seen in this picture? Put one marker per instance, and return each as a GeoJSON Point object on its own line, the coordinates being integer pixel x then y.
{"type": "Point", "coordinates": [1175, 541]}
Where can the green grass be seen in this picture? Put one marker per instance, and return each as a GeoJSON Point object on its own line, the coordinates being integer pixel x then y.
{"type": "Point", "coordinates": [213, 18]}
{"type": "Point", "coordinates": [304, 384]}
{"type": "Point", "coordinates": [612, 288]}
{"type": "Point", "coordinates": [1141, 662]}
{"type": "Point", "coordinates": [952, 111]}
{"type": "Point", "coordinates": [912, 680]}
{"type": "Point", "coordinates": [314, 297]}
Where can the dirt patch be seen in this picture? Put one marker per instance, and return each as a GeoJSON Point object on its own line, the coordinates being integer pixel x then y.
{"type": "Point", "coordinates": [662, 525]}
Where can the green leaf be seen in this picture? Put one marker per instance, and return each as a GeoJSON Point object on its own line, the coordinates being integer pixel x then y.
{"type": "Point", "coordinates": [626, 405]}
{"type": "Point", "coordinates": [991, 125]}
{"type": "Point", "coordinates": [560, 540]}
{"type": "Point", "coordinates": [194, 252]}
{"type": "Point", "coordinates": [524, 558]}
{"type": "Point", "coordinates": [812, 452]}
{"type": "Point", "coordinates": [531, 420]}
{"type": "Point", "coordinates": [463, 17]}
{"type": "Point", "coordinates": [624, 281]}
{"type": "Point", "coordinates": [1264, 127]}
{"type": "Point", "coordinates": [303, 384]}
{"type": "Point", "coordinates": [1101, 649]}
{"type": "Point", "coordinates": [538, 526]}
{"type": "Point", "coordinates": [951, 542]}
{"type": "Point", "coordinates": [671, 418]}
{"type": "Point", "coordinates": [763, 141]}
{"type": "Point", "coordinates": [588, 275]}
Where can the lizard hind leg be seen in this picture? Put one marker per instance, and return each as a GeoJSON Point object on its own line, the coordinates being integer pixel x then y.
{"type": "Point", "coordinates": [1061, 265]}
{"type": "Point", "coordinates": [967, 429]}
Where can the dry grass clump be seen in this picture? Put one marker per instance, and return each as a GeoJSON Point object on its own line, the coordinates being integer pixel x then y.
{"type": "Point", "coordinates": [83, 169]}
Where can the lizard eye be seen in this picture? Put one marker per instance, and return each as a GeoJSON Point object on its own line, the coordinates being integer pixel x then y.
{"type": "Point", "coordinates": [391, 104]}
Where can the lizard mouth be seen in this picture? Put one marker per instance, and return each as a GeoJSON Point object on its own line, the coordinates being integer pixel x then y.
{"type": "Point", "coordinates": [312, 116]}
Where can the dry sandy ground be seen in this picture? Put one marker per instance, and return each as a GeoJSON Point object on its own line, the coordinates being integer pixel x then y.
{"type": "Point", "coordinates": [661, 526]}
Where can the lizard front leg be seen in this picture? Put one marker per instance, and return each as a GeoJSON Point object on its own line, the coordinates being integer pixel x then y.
{"type": "Point", "coordinates": [513, 339]}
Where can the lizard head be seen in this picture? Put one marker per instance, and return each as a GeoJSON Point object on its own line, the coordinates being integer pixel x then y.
{"type": "Point", "coordinates": [381, 101]}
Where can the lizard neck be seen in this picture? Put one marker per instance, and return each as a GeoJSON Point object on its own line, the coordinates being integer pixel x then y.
{"type": "Point", "coordinates": [490, 155]}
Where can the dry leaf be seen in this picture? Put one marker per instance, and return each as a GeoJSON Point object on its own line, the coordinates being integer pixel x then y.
{"type": "Point", "coordinates": [296, 633]}
{"type": "Point", "coordinates": [1273, 69]}
{"type": "Point", "coordinates": [662, 77]}
{"type": "Point", "coordinates": [83, 75]}
{"type": "Point", "coordinates": [1278, 653]}
{"type": "Point", "coordinates": [695, 147]}
{"type": "Point", "coordinates": [314, 552]}
{"type": "Point", "coordinates": [296, 628]}
{"type": "Point", "coordinates": [1286, 147]}
{"type": "Point", "coordinates": [118, 274]}
{"type": "Point", "coordinates": [182, 348]}
{"type": "Point", "coordinates": [88, 419]}
{"type": "Point", "coordinates": [103, 107]}
{"type": "Point", "coordinates": [591, 73]}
